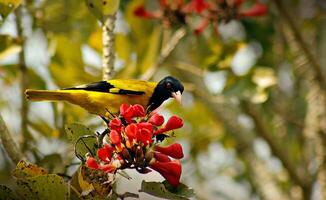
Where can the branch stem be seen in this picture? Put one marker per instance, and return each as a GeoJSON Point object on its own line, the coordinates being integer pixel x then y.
{"type": "Point", "coordinates": [8, 143]}
{"type": "Point", "coordinates": [318, 71]}
{"type": "Point", "coordinates": [26, 137]}
{"type": "Point", "coordinates": [108, 57]}
{"type": "Point", "coordinates": [165, 52]}
{"type": "Point", "coordinates": [261, 129]}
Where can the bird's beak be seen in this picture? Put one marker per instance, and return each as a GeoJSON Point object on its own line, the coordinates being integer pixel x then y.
{"type": "Point", "coordinates": [177, 96]}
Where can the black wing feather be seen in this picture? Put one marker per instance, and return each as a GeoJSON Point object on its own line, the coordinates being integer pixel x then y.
{"type": "Point", "coordinates": [104, 86]}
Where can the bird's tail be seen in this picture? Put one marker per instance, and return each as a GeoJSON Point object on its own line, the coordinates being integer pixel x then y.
{"type": "Point", "coordinates": [47, 95]}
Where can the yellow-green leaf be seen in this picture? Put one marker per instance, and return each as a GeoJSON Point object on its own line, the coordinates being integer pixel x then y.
{"type": "Point", "coordinates": [24, 170]}
{"type": "Point", "coordinates": [50, 187]}
{"type": "Point", "coordinates": [7, 6]}
{"type": "Point", "coordinates": [152, 50]}
{"type": "Point", "coordinates": [102, 8]}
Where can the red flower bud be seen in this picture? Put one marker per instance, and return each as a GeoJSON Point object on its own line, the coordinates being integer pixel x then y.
{"type": "Point", "coordinates": [105, 153]}
{"type": "Point", "coordinates": [138, 110]}
{"type": "Point", "coordinates": [129, 112]}
{"type": "Point", "coordinates": [173, 123]}
{"type": "Point", "coordinates": [173, 150]}
{"type": "Point", "coordinates": [123, 108]}
{"type": "Point", "coordinates": [161, 157]}
{"type": "Point", "coordinates": [156, 119]}
{"type": "Point", "coordinates": [259, 9]}
{"type": "Point", "coordinates": [108, 168]}
{"type": "Point", "coordinates": [92, 163]}
{"type": "Point", "coordinates": [140, 11]}
{"type": "Point", "coordinates": [171, 171]}
{"type": "Point", "coordinates": [115, 137]}
{"type": "Point", "coordinates": [115, 124]}
{"type": "Point", "coordinates": [197, 6]}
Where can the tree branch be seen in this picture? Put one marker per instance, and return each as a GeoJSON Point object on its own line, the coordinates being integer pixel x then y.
{"type": "Point", "coordinates": [318, 71]}
{"type": "Point", "coordinates": [108, 57]}
{"type": "Point", "coordinates": [26, 136]}
{"type": "Point", "coordinates": [8, 143]}
{"type": "Point", "coordinates": [278, 151]}
{"type": "Point", "coordinates": [165, 52]}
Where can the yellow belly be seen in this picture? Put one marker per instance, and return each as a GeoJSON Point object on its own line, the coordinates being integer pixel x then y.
{"type": "Point", "coordinates": [101, 102]}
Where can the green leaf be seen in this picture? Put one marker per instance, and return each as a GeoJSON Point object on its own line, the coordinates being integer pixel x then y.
{"type": "Point", "coordinates": [101, 9]}
{"type": "Point", "coordinates": [50, 187]}
{"type": "Point", "coordinates": [66, 17]}
{"type": "Point", "coordinates": [181, 190]}
{"type": "Point", "coordinates": [52, 162]}
{"type": "Point", "coordinates": [164, 190]}
{"type": "Point", "coordinates": [6, 193]}
{"type": "Point", "coordinates": [7, 6]}
{"type": "Point", "coordinates": [75, 131]}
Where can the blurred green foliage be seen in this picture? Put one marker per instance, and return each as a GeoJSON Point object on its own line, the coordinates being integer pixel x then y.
{"type": "Point", "coordinates": [273, 83]}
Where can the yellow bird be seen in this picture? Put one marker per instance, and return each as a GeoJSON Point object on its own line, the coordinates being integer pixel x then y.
{"type": "Point", "coordinates": [100, 97]}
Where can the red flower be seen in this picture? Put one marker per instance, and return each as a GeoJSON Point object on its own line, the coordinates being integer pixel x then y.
{"type": "Point", "coordinates": [105, 153]}
{"type": "Point", "coordinates": [92, 163]}
{"type": "Point", "coordinates": [131, 131]}
{"type": "Point", "coordinates": [115, 137]}
{"type": "Point", "coordinates": [156, 119]}
{"type": "Point", "coordinates": [171, 171]}
{"type": "Point", "coordinates": [173, 150]}
{"type": "Point", "coordinates": [201, 27]}
{"type": "Point", "coordinates": [129, 112]}
{"type": "Point", "coordinates": [259, 9]}
{"type": "Point", "coordinates": [197, 6]}
{"type": "Point", "coordinates": [109, 168]}
{"type": "Point", "coordinates": [138, 110]}
{"type": "Point", "coordinates": [140, 11]}
{"type": "Point", "coordinates": [115, 124]}
{"type": "Point", "coordinates": [161, 157]}
{"type": "Point", "coordinates": [142, 132]}
{"type": "Point", "coordinates": [145, 133]}
{"type": "Point", "coordinates": [173, 123]}
{"type": "Point", "coordinates": [123, 108]}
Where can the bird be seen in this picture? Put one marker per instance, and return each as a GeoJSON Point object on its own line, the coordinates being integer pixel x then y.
{"type": "Point", "coordinates": [105, 97]}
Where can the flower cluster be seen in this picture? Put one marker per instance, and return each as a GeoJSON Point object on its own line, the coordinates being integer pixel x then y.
{"type": "Point", "coordinates": [133, 142]}
{"type": "Point", "coordinates": [176, 12]}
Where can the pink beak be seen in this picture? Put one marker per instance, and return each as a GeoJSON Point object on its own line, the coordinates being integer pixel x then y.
{"type": "Point", "coordinates": [177, 96]}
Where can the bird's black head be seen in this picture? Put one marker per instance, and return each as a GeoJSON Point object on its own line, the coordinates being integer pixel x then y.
{"type": "Point", "coordinates": [168, 87]}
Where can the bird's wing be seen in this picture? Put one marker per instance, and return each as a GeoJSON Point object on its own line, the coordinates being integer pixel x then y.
{"type": "Point", "coordinates": [124, 87]}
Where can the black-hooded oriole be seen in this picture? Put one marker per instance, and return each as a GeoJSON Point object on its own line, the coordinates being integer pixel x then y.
{"type": "Point", "coordinates": [107, 96]}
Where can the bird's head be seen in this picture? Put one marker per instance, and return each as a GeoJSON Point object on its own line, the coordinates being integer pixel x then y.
{"type": "Point", "coordinates": [168, 87]}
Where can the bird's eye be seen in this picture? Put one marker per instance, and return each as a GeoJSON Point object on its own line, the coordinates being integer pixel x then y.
{"type": "Point", "coordinates": [168, 85]}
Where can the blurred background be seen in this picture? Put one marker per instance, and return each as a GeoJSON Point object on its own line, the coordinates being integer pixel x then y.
{"type": "Point", "coordinates": [254, 105]}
